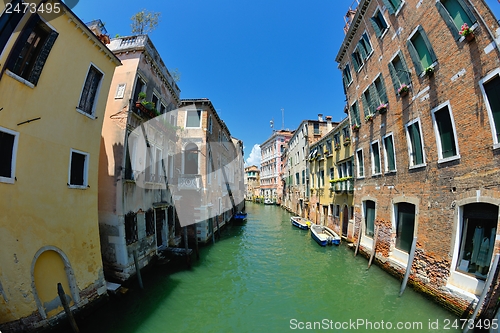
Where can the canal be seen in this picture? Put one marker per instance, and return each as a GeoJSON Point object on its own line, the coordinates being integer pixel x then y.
{"type": "Point", "coordinates": [268, 276]}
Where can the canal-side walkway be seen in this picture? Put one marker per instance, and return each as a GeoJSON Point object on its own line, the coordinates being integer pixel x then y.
{"type": "Point", "coordinates": [268, 276]}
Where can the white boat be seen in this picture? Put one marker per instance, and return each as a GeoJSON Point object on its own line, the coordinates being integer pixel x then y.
{"type": "Point", "coordinates": [300, 222]}
{"type": "Point", "coordinates": [268, 202]}
{"type": "Point", "coordinates": [324, 235]}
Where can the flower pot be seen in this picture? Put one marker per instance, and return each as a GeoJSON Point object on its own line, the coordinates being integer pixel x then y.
{"type": "Point", "coordinates": [382, 110]}
{"type": "Point", "coordinates": [470, 37]}
{"type": "Point", "coordinates": [403, 93]}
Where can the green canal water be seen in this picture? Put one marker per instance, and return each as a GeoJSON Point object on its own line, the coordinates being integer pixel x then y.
{"type": "Point", "coordinates": [268, 276]}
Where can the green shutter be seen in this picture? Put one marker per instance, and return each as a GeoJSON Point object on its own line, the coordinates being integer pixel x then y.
{"type": "Point", "coordinates": [374, 22]}
{"type": "Point", "coordinates": [414, 57]}
{"type": "Point", "coordinates": [376, 157]}
{"type": "Point", "coordinates": [361, 51]}
{"type": "Point", "coordinates": [394, 77]}
{"type": "Point", "coordinates": [492, 89]}
{"type": "Point", "coordinates": [445, 129]}
{"type": "Point", "coordinates": [355, 62]}
{"type": "Point", "coordinates": [427, 44]}
{"type": "Point", "coordinates": [406, 74]}
{"type": "Point", "coordinates": [369, 217]}
{"type": "Point", "coordinates": [468, 12]}
{"type": "Point", "coordinates": [405, 226]}
{"type": "Point", "coordinates": [381, 90]}
{"type": "Point", "coordinates": [389, 151]}
{"type": "Point", "coordinates": [416, 144]}
{"type": "Point", "coordinates": [375, 101]}
{"type": "Point", "coordinates": [367, 44]}
{"type": "Point", "coordinates": [448, 20]}
{"type": "Point", "coordinates": [366, 106]}
{"type": "Point", "coordinates": [389, 6]}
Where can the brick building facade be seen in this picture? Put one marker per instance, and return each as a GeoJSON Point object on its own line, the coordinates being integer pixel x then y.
{"type": "Point", "coordinates": [423, 104]}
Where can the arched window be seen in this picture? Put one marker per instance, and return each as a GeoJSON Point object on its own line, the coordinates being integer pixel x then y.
{"type": "Point", "coordinates": [191, 159]}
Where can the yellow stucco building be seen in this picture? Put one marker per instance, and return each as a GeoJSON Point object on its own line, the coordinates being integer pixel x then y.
{"type": "Point", "coordinates": [54, 79]}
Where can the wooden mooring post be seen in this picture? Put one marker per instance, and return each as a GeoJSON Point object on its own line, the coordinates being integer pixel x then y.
{"type": "Point", "coordinates": [64, 302]}
{"type": "Point", "coordinates": [408, 266]}
{"type": "Point", "coordinates": [186, 246]}
{"type": "Point", "coordinates": [358, 243]}
{"type": "Point", "coordinates": [137, 269]}
{"type": "Point", "coordinates": [375, 237]}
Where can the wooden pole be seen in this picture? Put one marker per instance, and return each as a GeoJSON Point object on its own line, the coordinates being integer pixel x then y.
{"type": "Point", "coordinates": [186, 246]}
{"type": "Point", "coordinates": [64, 301]}
{"type": "Point", "coordinates": [196, 244]}
{"type": "Point", "coordinates": [137, 269]}
{"type": "Point", "coordinates": [213, 231]}
{"type": "Point", "coordinates": [359, 239]}
{"type": "Point", "coordinates": [374, 246]}
{"type": "Point", "coordinates": [487, 285]}
{"type": "Point", "coordinates": [408, 266]}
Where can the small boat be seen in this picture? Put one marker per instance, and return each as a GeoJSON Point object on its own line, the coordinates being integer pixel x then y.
{"type": "Point", "coordinates": [240, 217]}
{"type": "Point", "coordinates": [324, 236]}
{"type": "Point", "coordinates": [300, 222]}
{"type": "Point", "coordinates": [268, 202]}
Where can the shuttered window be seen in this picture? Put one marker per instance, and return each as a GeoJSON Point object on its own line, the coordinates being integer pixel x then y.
{"type": "Point", "coordinates": [368, 102]}
{"type": "Point", "coordinates": [455, 13]}
{"type": "Point", "coordinates": [8, 23]}
{"type": "Point", "coordinates": [360, 164]}
{"type": "Point", "coordinates": [31, 50]}
{"type": "Point", "coordinates": [492, 90]}
{"type": "Point", "coordinates": [369, 218]}
{"type": "Point", "coordinates": [421, 51]}
{"type": "Point", "coordinates": [375, 158]}
{"type": "Point", "coordinates": [90, 91]}
{"type": "Point", "coordinates": [357, 61]}
{"type": "Point", "coordinates": [415, 144]}
{"type": "Point", "coordinates": [379, 24]}
{"type": "Point", "coordinates": [399, 71]}
{"type": "Point", "coordinates": [355, 113]}
{"type": "Point", "coordinates": [392, 5]}
{"type": "Point", "coordinates": [405, 226]}
{"type": "Point", "coordinates": [379, 87]}
{"type": "Point", "coordinates": [446, 135]}
{"type": "Point", "coordinates": [346, 75]}
{"type": "Point", "coordinates": [390, 157]}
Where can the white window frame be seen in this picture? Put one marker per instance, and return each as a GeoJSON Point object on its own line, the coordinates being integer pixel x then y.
{"type": "Point", "coordinates": [12, 178]}
{"type": "Point", "coordinates": [408, 142]}
{"type": "Point", "coordinates": [85, 169]}
{"type": "Point", "coordinates": [386, 160]}
{"type": "Point", "coordinates": [372, 156]}
{"type": "Point", "coordinates": [96, 97]}
{"type": "Point", "coordinates": [438, 136]}
{"type": "Point", "coordinates": [120, 90]}
{"type": "Point", "coordinates": [186, 120]}
{"type": "Point", "coordinates": [358, 162]}
{"type": "Point", "coordinates": [379, 9]}
{"type": "Point", "coordinates": [486, 79]}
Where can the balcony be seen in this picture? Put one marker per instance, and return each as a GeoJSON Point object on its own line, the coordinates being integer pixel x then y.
{"type": "Point", "coordinates": [343, 185]}
{"type": "Point", "coordinates": [189, 182]}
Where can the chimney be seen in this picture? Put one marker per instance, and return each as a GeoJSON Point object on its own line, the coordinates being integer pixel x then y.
{"type": "Point", "coordinates": [328, 123]}
{"type": "Point", "coordinates": [320, 117]}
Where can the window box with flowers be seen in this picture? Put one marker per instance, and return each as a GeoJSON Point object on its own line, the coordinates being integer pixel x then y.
{"type": "Point", "coordinates": [429, 71]}
{"type": "Point", "coordinates": [403, 90]}
{"type": "Point", "coordinates": [355, 127]}
{"type": "Point", "coordinates": [382, 108]}
{"type": "Point", "coordinates": [467, 32]}
{"type": "Point", "coordinates": [369, 118]}
{"type": "Point", "coordinates": [347, 141]}
{"type": "Point", "coordinates": [337, 146]}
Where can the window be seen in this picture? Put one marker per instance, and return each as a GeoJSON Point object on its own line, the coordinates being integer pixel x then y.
{"type": "Point", "coordinates": [159, 167]}
{"type": "Point", "coordinates": [210, 124]}
{"type": "Point", "coordinates": [155, 101]}
{"type": "Point", "coordinates": [369, 217]}
{"type": "Point", "coordinates": [490, 87]}
{"type": "Point", "coordinates": [162, 109]}
{"type": "Point", "coordinates": [131, 228]}
{"type": "Point", "coordinates": [346, 133]}
{"type": "Point", "coordinates": [405, 225]}
{"type": "Point", "coordinates": [346, 75]}
{"type": "Point", "coordinates": [130, 156]}
{"type": "Point", "coordinates": [332, 174]}
{"type": "Point", "coordinates": [446, 139]}
{"type": "Point", "coordinates": [8, 23]}
{"type": "Point", "coordinates": [355, 118]}
{"type": "Point", "coordinates": [421, 51]}
{"type": "Point", "coordinates": [375, 152]}
{"type": "Point", "coordinates": [191, 159]}
{"type": "Point", "coordinates": [8, 151]}
{"type": "Point", "coordinates": [31, 50]}
{"type": "Point", "coordinates": [389, 153]}
{"type": "Point", "coordinates": [297, 178]}
{"type": "Point", "coordinates": [90, 91]}
{"type": "Point", "coordinates": [140, 86]}
{"type": "Point", "coordinates": [415, 144]}
{"type": "Point", "coordinates": [120, 90]}
{"type": "Point", "coordinates": [360, 164]}
{"type": "Point", "coordinates": [150, 222]}
{"type": "Point", "coordinates": [303, 177]}
{"type": "Point", "coordinates": [379, 91]}
{"type": "Point", "coordinates": [78, 172]}
{"type": "Point", "coordinates": [362, 52]}
{"type": "Point", "coordinates": [321, 178]}
{"type": "Point", "coordinates": [316, 129]}
{"type": "Point", "coordinates": [455, 13]}
{"type": "Point", "coordinates": [399, 71]}
{"type": "Point", "coordinates": [357, 60]}
{"type": "Point", "coordinates": [337, 210]}
{"type": "Point", "coordinates": [193, 118]}
{"type": "Point", "coordinates": [393, 6]}
{"type": "Point", "coordinates": [379, 24]}
{"type": "Point", "coordinates": [368, 101]}
{"type": "Point", "coordinates": [477, 239]}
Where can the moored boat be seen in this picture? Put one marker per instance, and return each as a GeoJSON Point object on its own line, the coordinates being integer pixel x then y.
{"type": "Point", "coordinates": [268, 202]}
{"type": "Point", "coordinates": [324, 235]}
{"type": "Point", "coordinates": [240, 217]}
{"type": "Point", "coordinates": [300, 222]}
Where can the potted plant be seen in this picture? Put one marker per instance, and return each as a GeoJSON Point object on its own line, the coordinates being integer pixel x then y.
{"type": "Point", "coordinates": [337, 146]}
{"type": "Point", "coordinates": [355, 127]}
{"type": "Point", "coordinates": [369, 118]}
{"type": "Point", "coordinates": [403, 90]}
{"type": "Point", "coordinates": [467, 32]}
{"type": "Point", "coordinates": [347, 141]}
{"type": "Point", "coordinates": [382, 108]}
{"type": "Point", "coordinates": [429, 71]}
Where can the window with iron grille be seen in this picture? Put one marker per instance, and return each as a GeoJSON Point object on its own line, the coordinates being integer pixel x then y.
{"type": "Point", "coordinates": [131, 228]}
{"type": "Point", "coordinates": [90, 91]}
{"type": "Point", "coordinates": [31, 50]}
{"type": "Point", "coordinates": [150, 222]}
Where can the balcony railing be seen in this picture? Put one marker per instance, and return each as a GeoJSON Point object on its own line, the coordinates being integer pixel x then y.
{"type": "Point", "coordinates": [189, 182]}
{"type": "Point", "coordinates": [344, 186]}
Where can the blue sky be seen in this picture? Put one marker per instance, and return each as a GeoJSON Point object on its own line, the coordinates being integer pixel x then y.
{"type": "Point", "coordinates": [250, 58]}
